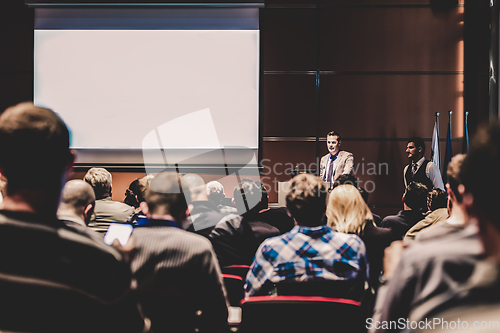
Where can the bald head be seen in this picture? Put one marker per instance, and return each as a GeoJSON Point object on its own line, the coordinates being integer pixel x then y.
{"type": "Point", "coordinates": [78, 198]}
{"type": "Point", "coordinates": [196, 186]}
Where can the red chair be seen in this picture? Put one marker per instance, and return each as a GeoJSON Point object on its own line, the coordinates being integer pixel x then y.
{"type": "Point", "coordinates": [234, 280]}
{"type": "Point", "coordinates": [234, 288]}
{"type": "Point", "coordinates": [300, 314]}
{"type": "Point", "coordinates": [240, 270]}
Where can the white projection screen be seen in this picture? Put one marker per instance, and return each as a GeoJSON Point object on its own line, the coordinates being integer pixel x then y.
{"type": "Point", "coordinates": [131, 82]}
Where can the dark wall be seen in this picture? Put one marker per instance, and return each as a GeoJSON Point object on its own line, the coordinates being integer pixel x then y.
{"type": "Point", "coordinates": [16, 56]}
{"type": "Point", "coordinates": [374, 70]}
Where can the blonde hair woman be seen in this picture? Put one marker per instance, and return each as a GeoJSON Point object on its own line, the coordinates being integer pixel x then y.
{"type": "Point", "coordinates": [348, 213]}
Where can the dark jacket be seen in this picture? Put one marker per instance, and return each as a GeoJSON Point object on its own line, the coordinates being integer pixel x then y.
{"type": "Point", "coordinates": [236, 241]}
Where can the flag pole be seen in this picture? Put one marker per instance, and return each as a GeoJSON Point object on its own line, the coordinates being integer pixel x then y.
{"type": "Point", "coordinates": [449, 149]}
{"type": "Point", "coordinates": [466, 146]}
{"type": "Point", "coordinates": [449, 120]}
{"type": "Point", "coordinates": [436, 150]}
{"type": "Point", "coordinates": [437, 122]}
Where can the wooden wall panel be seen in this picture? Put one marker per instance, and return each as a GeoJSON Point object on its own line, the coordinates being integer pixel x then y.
{"type": "Point", "coordinates": [289, 39]}
{"type": "Point", "coordinates": [279, 158]}
{"type": "Point", "coordinates": [379, 166]}
{"type": "Point", "coordinates": [390, 106]}
{"type": "Point", "coordinates": [289, 105]}
{"type": "Point", "coordinates": [391, 39]}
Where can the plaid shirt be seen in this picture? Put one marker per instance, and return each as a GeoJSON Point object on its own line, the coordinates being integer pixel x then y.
{"type": "Point", "coordinates": [307, 253]}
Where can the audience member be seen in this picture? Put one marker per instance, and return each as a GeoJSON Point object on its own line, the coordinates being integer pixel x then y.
{"type": "Point", "coordinates": [278, 217]}
{"type": "Point", "coordinates": [130, 194]}
{"type": "Point", "coordinates": [215, 194]}
{"type": "Point", "coordinates": [236, 241]}
{"type": "Point", "coordinates": [348, 213]}
{"type": "Point", "coordinates": [477, 303]}
{"type": "Point", "coordinates": [177, 272]}
{"type": "Point", "coordinates": [204, 214]}
{"type": "Point", "coordinates": [52, 278]}
{"type": "Point", "coordinates": [414, 203]}
{"type": "Point", "coordinates": [420, 169]}
{"type": "Point", "coordinates": [140, 190]}
{"type": "Point", "coordinates": [352, 180]}
{"type": "Point", "coordinates": [311, 251]}
{"type": "Point", "coordinates": [425, 276]}
{"type": "Point", "coordinates": [77, 204]}
{"type": "Point", "coordinates": [456, 210]}
{"type": "Point", "coordinates": [106, 210]}
{"type": "Point", "coordinates": [437, 203]}
{"type": "Point", "coordinates": [3, 185]}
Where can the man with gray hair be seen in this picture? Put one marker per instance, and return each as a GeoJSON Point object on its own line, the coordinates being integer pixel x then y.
{"type": "Point", "coordinates": [106, 210]}
{"type": "Point", "coordinates": [204, 215]}
{"type": "Point", "coordinates": [77, 204]}
{"type": "Point", "coordinates": [215, 193]}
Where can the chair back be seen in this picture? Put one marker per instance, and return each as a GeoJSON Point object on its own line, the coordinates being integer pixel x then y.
{"type": "Point", "coordinates": [234, 281]}
{"type": "Point", "coordinates": [29, 304]}
{"type": "Point", "coordinates": [349, 289]}
{"type": "Point", "coordinates": [240, 270]}
{"type": "Point", "coordinates": [234, 287]}
{"type": "Point", "coordinates": [299, 314]}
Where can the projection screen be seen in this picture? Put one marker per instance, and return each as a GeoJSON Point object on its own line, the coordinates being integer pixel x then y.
{"type": "Point", "coordinates": [132, 82]}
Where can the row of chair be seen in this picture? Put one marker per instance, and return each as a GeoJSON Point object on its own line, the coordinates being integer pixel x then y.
{"type": "Point", "coordinates": [319, 306]}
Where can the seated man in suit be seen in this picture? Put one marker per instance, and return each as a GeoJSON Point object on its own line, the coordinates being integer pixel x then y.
{"type": "Point", "coordinates": [204, 215]}
{"type": "Point", "coordinates": [106, 210]}
{"type": "Point", "coordinates": [437, 203]}
{"type": "Point", "coordinates": [52, 278]}
{"type": "Point", "coordinates": [311, 251]}
{"type": "Point", "coordinates": [337, 162]}
{"type": "Point", "coordinates": [278, 217]}
{"type": "Point", "coordinates": [177, 271]}
{"type": "Point", "coordinates": [235, 241]}
{"type": "Point", "coordinates": [141, 187]}
{"type": "Point", "coordinates": [77, 204]}
{"type": "Point", "coordinates": [215, 194]}
{"type": "Point", "coordinates": [414, 207]}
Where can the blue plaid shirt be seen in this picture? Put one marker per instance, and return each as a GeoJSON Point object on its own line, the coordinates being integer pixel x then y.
{"type": "Point", "coordinates": [305, 254]}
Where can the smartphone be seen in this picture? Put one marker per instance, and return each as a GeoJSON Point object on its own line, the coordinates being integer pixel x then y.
{"type": "Point", "coordinates": [120, 231]}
